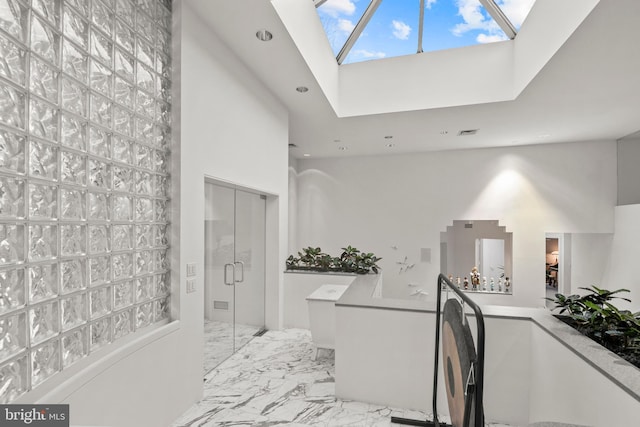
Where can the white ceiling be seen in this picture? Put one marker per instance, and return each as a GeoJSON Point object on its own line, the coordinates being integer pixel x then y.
{"type": "Point", "coordinates": [589, 90]}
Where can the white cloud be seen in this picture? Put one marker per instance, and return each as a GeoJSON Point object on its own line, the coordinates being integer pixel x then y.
{"type": "Point", "coordinates": [335, 8]}
{"type": "Point", "coordinates": [474, 20]}
{"type": "Point", "coordinates": [486, 38]}
{"type": "Point", "coordinates": [516, 10]}
{"type": "Point", "coordinates": [400, 30]}
{"type": "Point", "coordinates": [368, 54]}
{"type": "Point", "coordinates": [429, 3]}
{"type": "Point", "coordinates": [346, 26]}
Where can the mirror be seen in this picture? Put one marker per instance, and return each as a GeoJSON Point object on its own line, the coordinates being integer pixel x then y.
{"type": "Point", "coordinates": [480, 252]}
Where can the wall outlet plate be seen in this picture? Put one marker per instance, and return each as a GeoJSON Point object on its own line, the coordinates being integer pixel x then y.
{"type": "Point", "coordinates": [191, 285]}
{"type": "Point", "coordinates": [191, 269]}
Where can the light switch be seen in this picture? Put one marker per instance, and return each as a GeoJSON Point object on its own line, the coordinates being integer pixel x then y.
{"type": "Point", "coordinates": [191, 269]}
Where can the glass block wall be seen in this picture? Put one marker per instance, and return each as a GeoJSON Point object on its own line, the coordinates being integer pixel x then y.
{"type": "Point", "coordinates": [84, 176]}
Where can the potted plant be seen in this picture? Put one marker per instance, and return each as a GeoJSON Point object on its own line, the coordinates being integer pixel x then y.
{"type": "Point", "coordinates": [352, 260]}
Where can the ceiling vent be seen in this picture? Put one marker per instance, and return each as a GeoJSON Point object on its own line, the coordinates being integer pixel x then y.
{"type": "Point", "coordinates": [467, 132]}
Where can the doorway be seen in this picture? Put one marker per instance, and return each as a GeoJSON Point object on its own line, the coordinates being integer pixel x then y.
{"type": "Point", "coordinates": [234, 281]}
{"type": "Point", "coordinates": [552, 272]}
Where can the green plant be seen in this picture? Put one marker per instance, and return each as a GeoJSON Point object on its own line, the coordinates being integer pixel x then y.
{"type": "Point", "coordinates": [350, 261]}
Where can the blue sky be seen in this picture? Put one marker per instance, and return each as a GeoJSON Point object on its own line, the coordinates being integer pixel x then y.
{"type": "Point", "coordinates": [393, 29]}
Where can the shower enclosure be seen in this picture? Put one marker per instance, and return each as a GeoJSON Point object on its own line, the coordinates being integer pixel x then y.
{"type": "Point", "coordinates": [234, 270]}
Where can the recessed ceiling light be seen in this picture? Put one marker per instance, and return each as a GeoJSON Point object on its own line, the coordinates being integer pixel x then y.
{"type": "Point", "coordinates": [264, 35]}
{"type": "Point", "coordinates": [388, 137]}
{"type": "Point", "coordinates": [307, 155]}
{"type": "Point", "coordinates": [302, 89]}
{"type": "Point", "coordinates": [342, 148]}
{"type": "Point", "coordinates": [544, 135]}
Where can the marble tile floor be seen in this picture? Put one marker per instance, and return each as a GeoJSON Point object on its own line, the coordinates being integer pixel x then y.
{"type": "Point", "coordinates": [218, 341]}
{"type": "Point", "coordinates": [275, 381]}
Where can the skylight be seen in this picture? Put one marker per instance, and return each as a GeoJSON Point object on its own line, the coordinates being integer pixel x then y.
{"type": "Point", "coordinates": [393, 28]}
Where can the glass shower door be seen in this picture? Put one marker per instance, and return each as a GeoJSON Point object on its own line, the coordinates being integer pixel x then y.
{"type": "Point", "coordinates": [234, 270]}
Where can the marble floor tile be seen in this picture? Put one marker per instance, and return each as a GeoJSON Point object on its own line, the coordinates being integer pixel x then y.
{"type": "Point", "coordinates": [219, 341]}
{"type": "Point", "coordinates": [274, 380]}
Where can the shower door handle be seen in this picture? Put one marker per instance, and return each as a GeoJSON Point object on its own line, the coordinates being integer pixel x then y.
{"type": "Point", "coordinates": [241, 271]}
{"type": "Point", "coordinates": [226, 274]}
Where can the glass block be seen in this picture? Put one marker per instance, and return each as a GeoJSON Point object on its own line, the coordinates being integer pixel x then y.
{"type": "Point", "coordinates": [163, 41]}
{"type": "Point", "coordinates": [122, 295]}
{"type": "Point", "coordinates": [11, 243]}
{"type": "Point", "coordinates": [163, 112]}
{"type": "Point", "coordinates": [74, 311]}
{"type": "Point", "coordinates": [148, 7]}
{"type": "Point", "coordinates": [162, 309]}
{"type": "Point", "coordinates": [125, 66]}
{"type": "Point", "coordinates": [14, 19]}
{"type": "Point", "coordinates": [144, 209]}
{"type": "Point", "coordinates": [99, 174]}
{"type": "Point", "coordinates": [122, 150]}
{"type": "Point", "coordinates": [44, 40]}
{"type": "Point", "coordinates": [145, 78]}
{"type": "Point", "coordinates": [75, 27]}
{"type": "Point", "coordinates": [161, 213]}
{"type": "Point", "coordinates": [161, 186]}
{"type": "Point", "coordinates": [11, 197]}
{"type": "Point", "coordinates": [12, 151]}
{"type": "Point", "coordinates": [12, 106]}
{"type": "Point", "coordinates": [163, 89]}
{"type": "Point", "coordinates": [12, 290]}
{"type": "Point", "coordinates": [99, 270]}
{"type": "Point", "coordinates": [145, 105]}
{"type": "Point", "coordinates": [163, 286]}
{"type": "Point", "coordinates": [163, 65]}
{"type": "Point", "coordinates": [100, 333]}
{"type": "Point", "coordinates": [74, 97]}
{"type": "Point", "coordinates": [122, 266]}
{"type": "Point", "coordinates": [43, 201]}
{"type": "Point", "coordinates": [72, 204]}
{"type": "Point", "coordinates": [75, 62]}
{"type": "Point", "coordinates": [49, 10]}
{"type": "Point", "coordinates": [145, 287]}
{"type": "Point", "coordinates": [144, 315]}
{"type": "Point", "coordinates": [164, 17]}
{"type": "Point", "coordinates": [99, 142]}
{"type": "Point", "coordinates": [122, 208]}
{"type": "Point", "coordinates": [13, 380]}
{"type": "Point", "coordinates": [44, 80]}
{"type": "Point", "coordinates": [43, 322]}
{"type": "Point", "coordinates": [160, 161]}
{"type": "Point", "coordinates": [13, 334]}
{"type": "Point", "coordinates": [161, 260]}
{"type": "Point", "coordinates": [145, 27]}
{"type": "Point", "coordinates": [14, 63]}
{"type": "Point", "coordinates": [73, 240]}
{"type": "Point", "coordinates": [102, 17]}
{"type": "Point", "coordinates": [144, 236]}
{"type": "Point", "coordinates": [74, 346]}
{"type": "Point", "coordinates": [100, 302]}
{"type": "Point", "coordinates": [161, 235]}
{"type": "Point", "coordinates": [43, 242]}
{"type": "Point", "coordinates": [72, 275]}
{"type": "Point", "coordinates": [101, 47]}
{"type": "Point", "coordinates": [124, 93]}
{"type": "Point", "coordinates": [121, 237]}
{"type": "Point", "coordinates": [98, 239]}
{"type": "Point", "coordinates": [144, 183]}
{"type": "Point", "coordinates": [43, 160]}
{"type": "Point", "coordinates": [122, 324]}
{"type": "Point", "coordinates": [45, 361]}
{"type": "Point", "coordinates": [99, 206]}
{"type": "Point", "coordinates": [125, 9]}
{"type": "Point", "coordinates": [122, 121]}
{"type": "Point", "coordinates": [122, 179]}
{"type": "Point", "coordinates": [100, 110]}
{"type": "Point", "coordinates": [73, 132]}
{"type": "Point", "coordinates": [43, 282]}
{"type": "Point", "coordinates": [144, 262]}
{"type": "Point", "coordinates": [144, 156]}
{"type": "Point", "coordinates": [101, 78]}
{"type": "Point", "coordinates": [73, 168]}
{"type": "Point", "coordinates": [81, 6]}
{"type": "Point", "coordinates": [43, 120]}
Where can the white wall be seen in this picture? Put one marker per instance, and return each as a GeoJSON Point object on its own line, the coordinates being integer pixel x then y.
{"type": "Point", "coordinates": [226, 126]}
{"type": "Point", "coordinates": [628, 171]}
{"type": "Point", "coordinates": [405, 201]}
